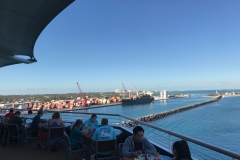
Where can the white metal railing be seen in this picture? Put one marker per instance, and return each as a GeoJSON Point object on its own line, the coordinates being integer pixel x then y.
{"type": "Point", "coordinates": [158, 136]}
{"type": "Point", "coordinates": [165, 138]}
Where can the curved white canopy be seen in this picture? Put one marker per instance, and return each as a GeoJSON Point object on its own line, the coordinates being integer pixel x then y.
{"type": "Point", "coordinates": [21, 22]}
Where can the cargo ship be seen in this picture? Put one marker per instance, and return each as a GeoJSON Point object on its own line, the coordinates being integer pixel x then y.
{"type": "Point", "coordinates": [138, 100]}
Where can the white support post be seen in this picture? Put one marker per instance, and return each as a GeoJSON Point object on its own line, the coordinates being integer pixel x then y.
{"type": "Point", "coordinates": [120, 119]}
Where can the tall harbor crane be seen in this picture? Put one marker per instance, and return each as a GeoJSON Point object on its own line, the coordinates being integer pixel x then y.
{"type": "Point", "coordinates": [84, 101]}
{"type": "Point", "coordinates": [136, 92]}
{"type": "Point", "coordinates": [127, 93]}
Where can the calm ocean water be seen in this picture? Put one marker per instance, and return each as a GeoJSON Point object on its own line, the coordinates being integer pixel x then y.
{"type": "Point", "coordinates": [217, 123]}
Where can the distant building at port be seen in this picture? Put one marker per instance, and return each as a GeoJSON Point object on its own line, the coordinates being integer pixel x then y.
{"type": "Point", "coordinates": [118, 91]}
{"type": "Point", "coordinates": [230, 94]}
{"type": "Point", "coordinates": [164, 94]}
{"type": "Point", "coordinates": [150, 93]}
{"type": "Point", "coordinates": [121, 91]}
{"type": "Point", "coordinates": [160, 95]}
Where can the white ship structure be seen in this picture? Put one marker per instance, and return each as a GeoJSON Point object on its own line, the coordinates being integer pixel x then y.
{"type": "Point", "coordinates": [163, 95]}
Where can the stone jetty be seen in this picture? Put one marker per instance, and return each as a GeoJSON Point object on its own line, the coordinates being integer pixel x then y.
{"type": "Point", "coordinates": [153, 117]}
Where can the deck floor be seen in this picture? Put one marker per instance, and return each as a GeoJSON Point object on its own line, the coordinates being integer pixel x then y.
{"type": "Point", "coordinates": [32, 152]}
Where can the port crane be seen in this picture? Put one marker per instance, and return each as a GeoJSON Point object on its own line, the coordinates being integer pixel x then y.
{"type": "Point", "coordinates": [135, 89]}
{"type": "Point", "coordinates": [127, 93]}
{"type": "Point", "coordinates": [84, 101]}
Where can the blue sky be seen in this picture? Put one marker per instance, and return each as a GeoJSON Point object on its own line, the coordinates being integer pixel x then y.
{"type": "Point", "coordinates": [158, 44]}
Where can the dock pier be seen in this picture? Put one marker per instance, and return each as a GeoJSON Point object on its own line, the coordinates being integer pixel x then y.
{"type": "Point", "coordinates": [153, 117]}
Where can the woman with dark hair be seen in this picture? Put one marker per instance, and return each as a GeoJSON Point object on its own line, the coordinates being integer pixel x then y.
{"type": "Point", "coordinates": [56, 121]}
{"type": "Point", "coordinates": [181, 151]}
{"type": "Point", "coordinates": [76, 136]}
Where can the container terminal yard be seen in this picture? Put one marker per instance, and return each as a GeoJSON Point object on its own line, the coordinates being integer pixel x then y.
{"type": "Point", "coordinates": [65, 101]}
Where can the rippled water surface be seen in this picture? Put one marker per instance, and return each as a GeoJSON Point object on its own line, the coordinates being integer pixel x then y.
{"type": "Point", "coordinates": [216, 123]}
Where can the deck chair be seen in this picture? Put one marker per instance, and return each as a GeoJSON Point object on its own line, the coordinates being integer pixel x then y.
{"type": "Point", "coordinates": [55, 134]}
{"type": "Point", "coordinates": [68, 145]}
{"type": "Point", "coordinates": [14, 132]}
{"type": "Point", "coordinates": [106, 145]}
{"type": "Point", "coordinates": [4, 131]}
{"type": "Point", "coordinates": [120, 146]}
{"type": "Point", "coordinates": [31, 135]}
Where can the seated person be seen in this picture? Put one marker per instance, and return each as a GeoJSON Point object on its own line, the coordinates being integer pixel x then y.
{"type": "Point", "coordinates": [10, 114]}
{"type": "Point", "coordinates": [17, 120]}
{"type": "Point", "coordinates": [56, 121]}
{"type": "Point", "coordinates": [181, 150]}
{"type": "Point", "coordinates": [29, 111]}
{"type": "Point", "coordinates": [92, 122]}
{"type": "Point", "coordinates": [76, 136]}
{"type": "Point", "coordinates": [43, 109]}
{"type": "Point", "coordinates": [137, 144]}
{"type": "Point", "coordinates": [36, 128]}
{"type": "Point", "coordinates": [104, 132]}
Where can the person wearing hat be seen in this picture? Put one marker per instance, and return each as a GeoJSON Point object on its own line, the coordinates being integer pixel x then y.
{"type": "Point", "coordinates": [10, 114]}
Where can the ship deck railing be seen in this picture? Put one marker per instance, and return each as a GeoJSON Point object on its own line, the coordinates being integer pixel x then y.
{"type": "Point", "coordinates": [159, 137]}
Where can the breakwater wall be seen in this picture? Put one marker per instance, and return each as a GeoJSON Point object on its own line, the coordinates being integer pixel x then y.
{"type": "Point", "coordinates": [153, 117]}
